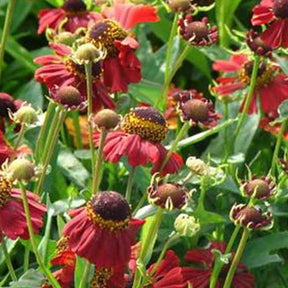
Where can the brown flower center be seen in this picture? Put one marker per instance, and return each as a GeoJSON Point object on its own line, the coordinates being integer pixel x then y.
{"type": "Point", "coordinates": [109, 210]}
{"type": "Point", "coordinates": [74, 6]}
{"type": "Point", "coordinates": [264, 74]}
{"type": "Point", "coordinates": [197, 30]}
{"type": "Point", "coordinates": [148, 123]}
{"type": "Point", "coordinates": [5, 106]}
{"type": "Point", "coordinates": [196, 110]}
{"type": "Point", "coordinates": [100, 278]}
{"type": "Point", "coordinates": [280, 8]}
{"type": "Point", "coordinates": [5, 191]}
{"type": "Point", "coordinates": [104, 33]}
{"type": "Point", "coordinates": [79, 70]}
{"type": "Point", "coordinates": [250, 214]}
{"type": "Point", "coordinates": [62, 244]}
{"type": "Point", "coordinates": [258, 185]}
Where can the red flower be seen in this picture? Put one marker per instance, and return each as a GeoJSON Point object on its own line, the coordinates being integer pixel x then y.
{"type": "Point", "coordinates": [108, 278]}
{"type": "Point", "coordinates": [271, 86]}
{"type": "Point", "coordinates": [274, 129]}
{"type": "Point", "coordinates": [139, 139]}
{"type": "Point", "coordinates": [199, 277]}
{"type": "Point", "coordinates": [60, 70]}
{"type": "Point", "coordinates": [74, 12]}
{"type": "Point", "coordinates": [5, 150]}
{"type": "Point", "coordinates": [103, 232]}
{"type": "Point", "coordinates": [12, 216]}
{"type": "Point", "coordinates": [275, 14]}
{"type": "Point", "coordinates": [121, 66]}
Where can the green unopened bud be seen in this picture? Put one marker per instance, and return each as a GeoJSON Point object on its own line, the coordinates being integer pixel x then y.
{"type": "Point", "coordinates": [21, 170]}
{"type": "Point", "coordinates": [186, 225]}
{"type": "Point", "coordinates": [66, 38]}
{"type": "Point", "coordinates": [197, 166]}
{"type": "Point", "coordinates": [88, 53]}
{"type": "Point", "coordinates": [25, 115]}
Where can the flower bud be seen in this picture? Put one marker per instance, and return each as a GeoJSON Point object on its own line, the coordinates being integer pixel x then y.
{"type": "Point", "coordinates": [25, 115]}
{"type": "Point", "coordinates": [260, 188]}
{"type": "Point", "coordinates": [186, 225]}
{"type": "Point", "coordinates": [180, 5]}
{"type": "Point", "coordinates": [107, 119]}
{"type": "Point", "coordinates": [88, 53]}
{"type": "Point", "coordinates": [257, 45]}
{"type": "Point", "coordinates": [68, 96]}
{"type": "Point", "coordinates": [66, 38]}
{"type": "Point", "coordinates": [197, 166]}
{"type": "Point", "coordinates": [21, 170]}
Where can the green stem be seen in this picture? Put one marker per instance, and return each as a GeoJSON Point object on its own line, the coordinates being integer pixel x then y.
{"type": "Point", "coordinates": [46, 271]}
{"type": "Point", "coordinates": [8, 260]}
{"type": "Point", "coordinates": [180, 135]}
{"type": "Point", "coordinates": [148, 243]}
{"type": "Point", "coordinates": [88, 73]}
{"type": "Point", "coordinates": [278, 145]}
{"type": "Point", "coordinates": [130, 184]}
{"type": "Point", "coordinates": [236, 258]}
{"type": "Point", "coordinates": [50, 145]}
{"type": "Point", "coordinates": [26, 259]}
{"type": "Point", "coordinates": [226, 134]}
{"type": "Point", "coordinates": [140, 203]}
{"type": "Point", "coordinates": [219, 264]}
{"type": "Point", "coordinates": [20, 136]}
{"type": "Point", "coordinates": [78, 136]}
{"type": "Point", "coordinates": [42, 134]}
{"type": "Point", "coordinates": [83, 283]}
{"type": "Point", "coordinates": [6, 29]}
{"type": "Point", "coordinates": [98, 164]}
{"type": "Point", "coordinates": [162, 100]}
{"type": "Point", "coordinates": [249, 97]}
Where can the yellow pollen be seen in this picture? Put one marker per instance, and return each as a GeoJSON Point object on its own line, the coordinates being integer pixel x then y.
{"type": "Point", "coordinates": [147, 129]}
{"type": "Point", "coordinates": [62, 244]}
{"type": "Point", "coordinates": [111, 225]}
{"type": "Point", "coordinates": [104, 33]}
{"type": "Point", "coordinates": [5, 191]}
{"type": "Point", "coordinates": [100, 278]}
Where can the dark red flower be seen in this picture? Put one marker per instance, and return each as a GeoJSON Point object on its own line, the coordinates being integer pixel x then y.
{"type": "Point", "coordinates": [12, 216]}
{"type": "Point", "coordinates": [60, 70]}
{"type": "Point", "coordinates": [73, 14]}
{"type": "Point", "coordinates": [103, 231]}
{"type": "Point", "coordinates": [197, 33]}
{"type": "Point", "coordinates": [274, 13]}
{"type": "Point", "coordinates": [266, 123]}
{"type": "Point", "coordinates": [203, 259]}
{"type": "Point", "coordinates": [108, 278]}
{"type": "Point", "coordinates": [257, 45]}
{"type": "Point", "coordinates": [5, 150]}
{"type": "Point", "coordinates": [271, 86]}
{"type": "Point", "coordinates": [139, 139]}
{"type": "Point", "coordinates": [121, 66]}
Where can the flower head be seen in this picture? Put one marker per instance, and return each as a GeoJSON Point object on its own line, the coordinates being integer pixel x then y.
{"type": "Point", "coordinates": [106, 119]}
{"type": "Point", "coordinates": [250, 217]}
{"type": "Point", "coordinates": [103, 232]}
{"type": "Point", "coordinates": [271, 84]}
{"type": "Point", "coordinates": [12, 216]}
{"type": "Point", "coordinates": [275, 14]}
{"type": "Point", "coordinates": [186, 225]}
{"type": "Point", "coordinates": [199, 276]}
{"type": "Point", "coordinates": [139, 138]}
{"type": "Point", "coordinates": [257, 45]}
{"type": "Point", "coordinates": [73, 14]}
{"type": "Point", "coordinates": [197, 33]}
{"type": "Point", "coordinates": [5, 150]}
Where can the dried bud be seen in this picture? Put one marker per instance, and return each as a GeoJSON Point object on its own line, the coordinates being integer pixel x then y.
{"type": "Point", "coordinates": [197, 166]}
{"type": "Point", "coordinates": [168, 195]}
{"type": "Point", "coordinates": [25, 115]}
{"type": "Point", "coordinates": [66, 38]}
{"type": "Point", "coordinates": [107, 119]}
{"type": "Point", "coordinates": [21, 170]}
{"type": "Point", "coordinates": [250, 217]}
{"type": "Point", "coordinates": [67, 96]}
{"type": "Point", "coordinates": [186, 225]}
{"type": "Point", "coordinates": [260, 188]}
{"type": "Point", "coordinates": [88, 53]}
{"type": "Point", "coordinates": [257, 45]}
{"type": "Point", "coordinates": [180, 5]}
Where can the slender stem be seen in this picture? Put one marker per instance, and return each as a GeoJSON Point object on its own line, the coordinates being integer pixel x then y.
{"type": "Point", "coordinates": [5, 34]}
{"type": "Point", "coordinates": [8, 260]}
{"type": "Point", "coordinates": [88, 73]}
{"type": "Point", "coordinates": [26, 259]}
{"type": "Point", "coordinates": [236, 258]}
{"type": "Point", "coordinates": [180, 135]}
{"type": "Point", "coordinates": [49, 147]}
{"type": "Point", "coordinates": [130, 184]}
{"type": "Point", "coordinates": [226, 135]}
{"type": "Point", "coordinates": [219, 264]}
{"type": "Point", "coordinates": [78, 136]}
{"type": "Point", "coordinates": [162, 100]}
{"type": "Point", "coordinates": [98, 164]}
{"type": "Point", "coordinates": [46, 271]}
{"type": "Point", "coordinates": [140, 203]}
{"type": "Point", "coordinates": [148, 243]}
{"type": "Point", "coordinates": [249, 96]}
{"type": "Point", "coordinates": [278, 145]}
{"type": "Point", "coordinates": [20, 136]}
{"type": "Point", "coordinates": [42, 134]}
{"type": "Point", "coordinates": [83, 283]}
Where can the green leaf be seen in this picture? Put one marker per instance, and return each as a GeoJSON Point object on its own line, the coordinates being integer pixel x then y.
{"type": "Point", "coordinates": [10, 246]}
{"type": "Point", "coordinates": [81, 264]}
{"type": "Point", "coordinates": [261, 251]}
{"type": "Point", "coordinates": [55, 3]}
{"type": "Point", "coordinates": [31, 279]}
{"type": "Point", "coordinates": [283, 109]}
{"type": "Point", "coordinates": [206, 217]}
